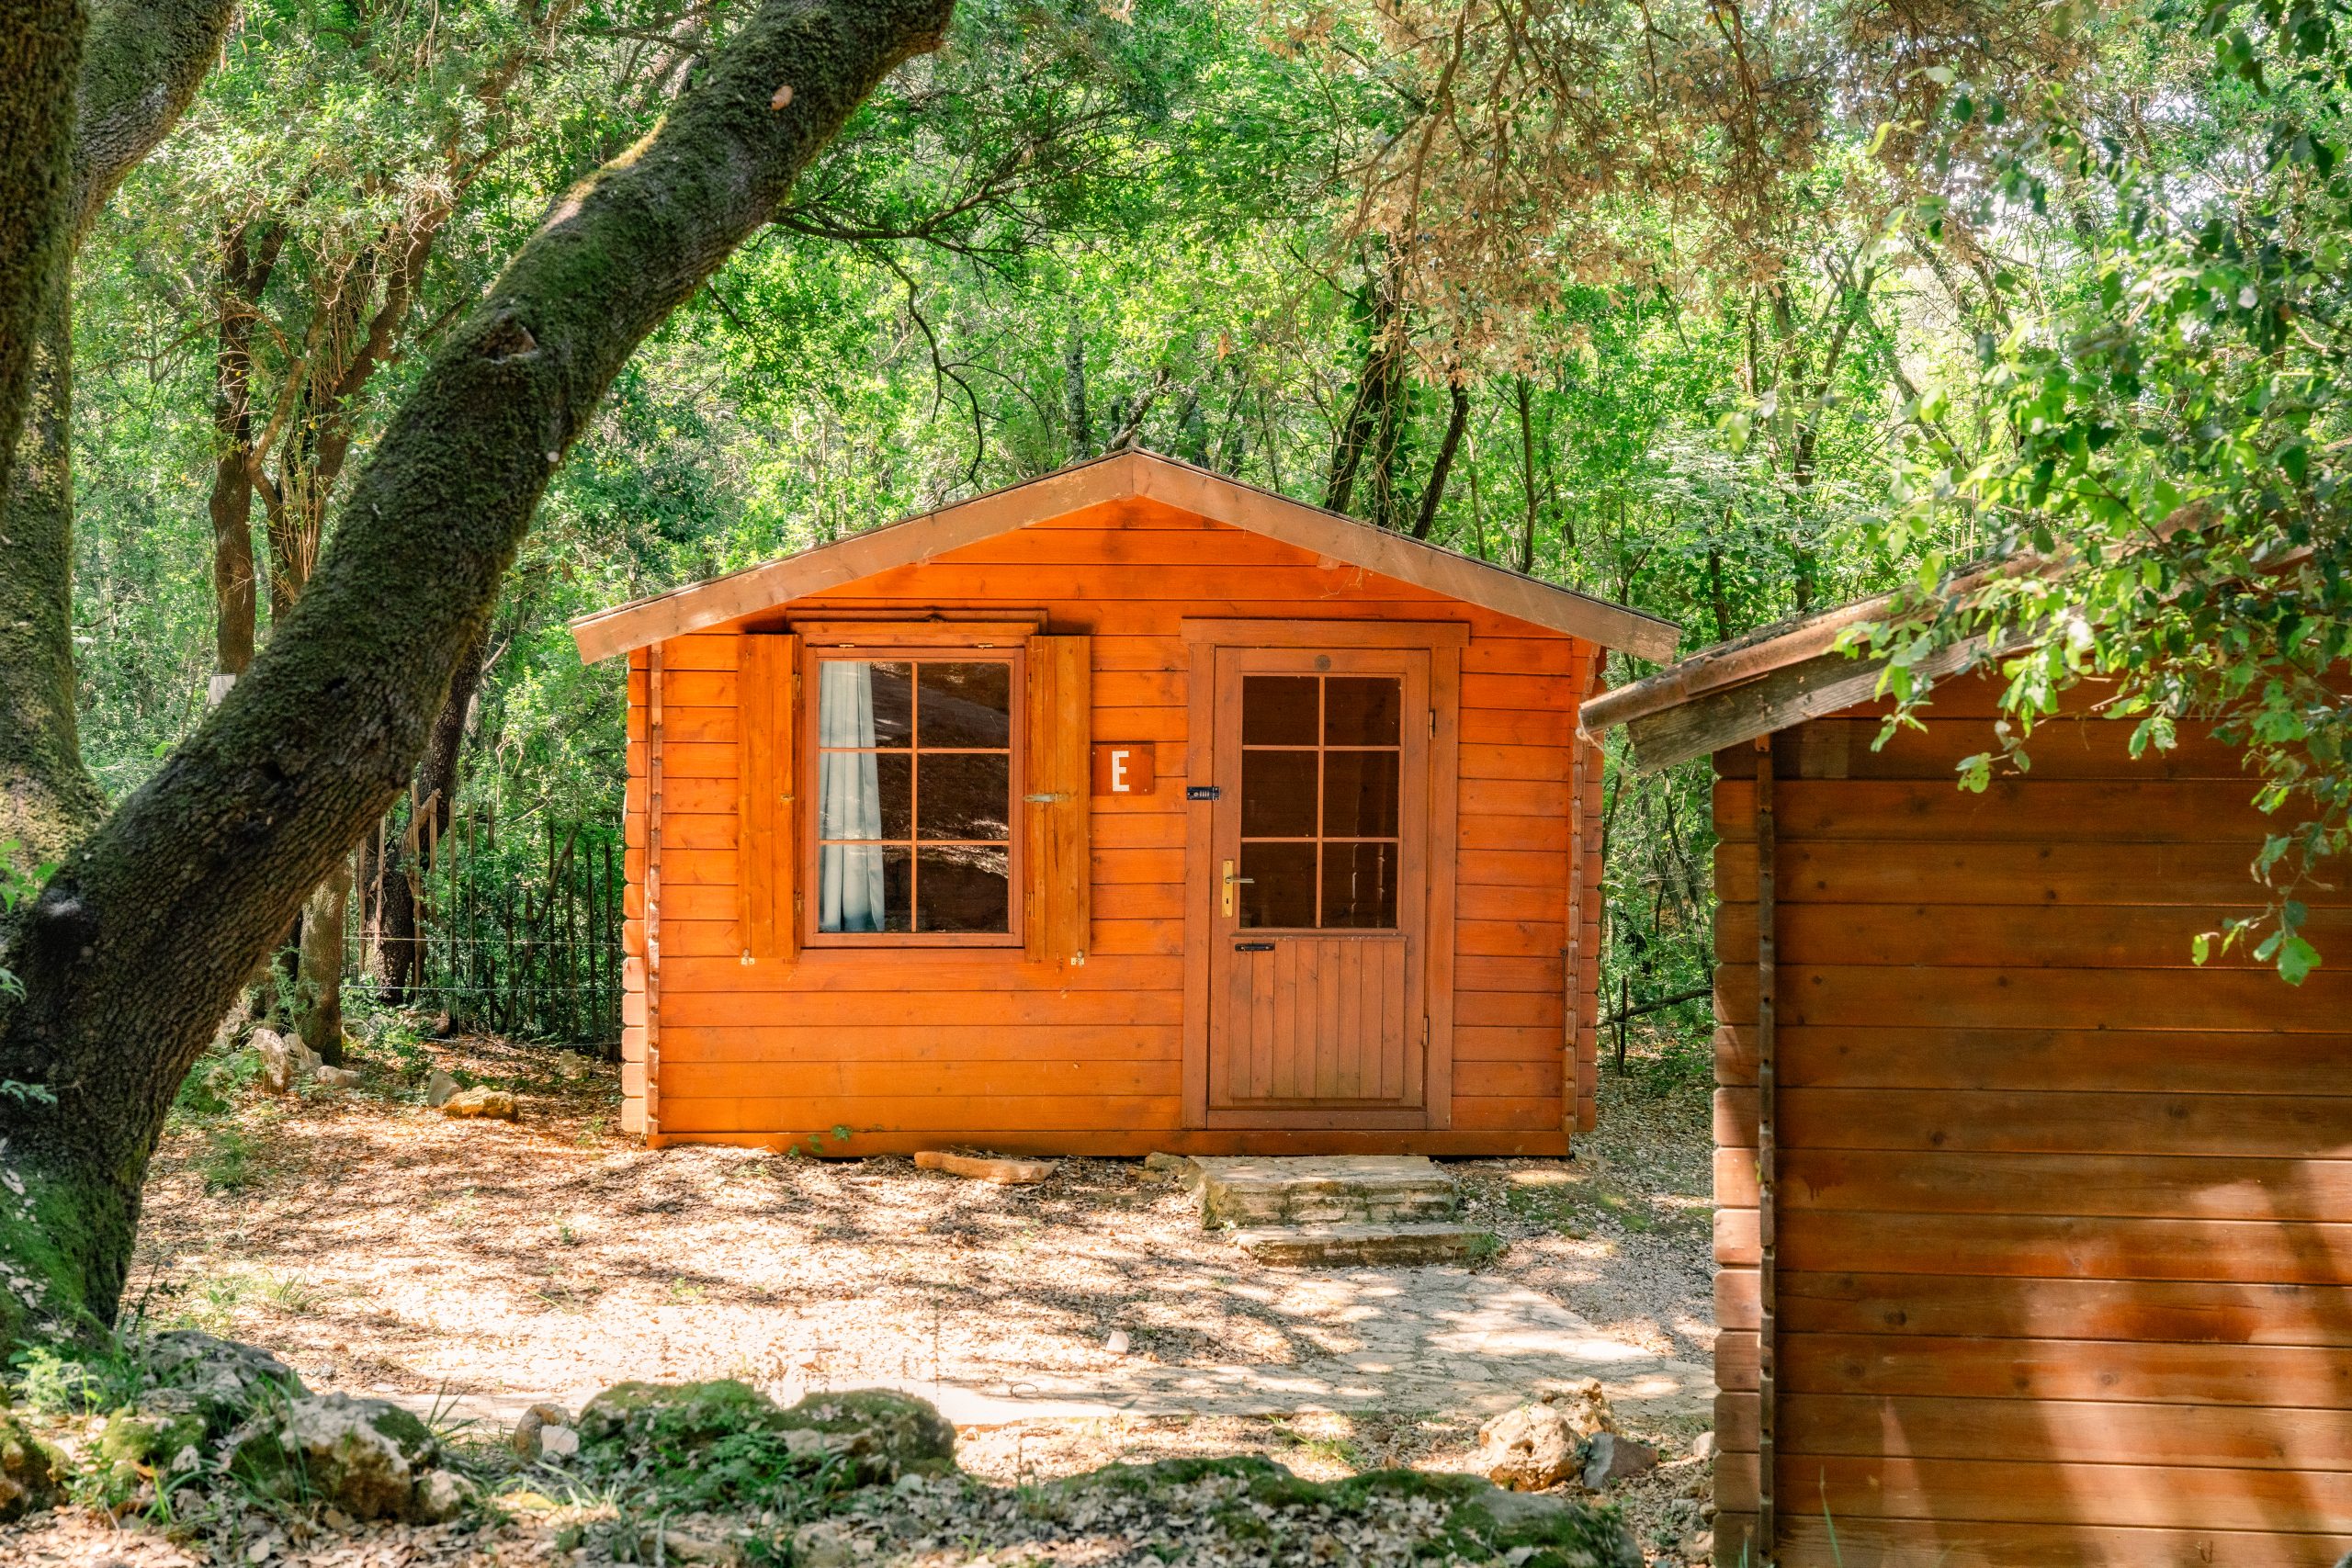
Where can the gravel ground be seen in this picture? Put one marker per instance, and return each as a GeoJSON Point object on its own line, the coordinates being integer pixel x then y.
{"type": "Point", "coordinates": [379, 1245]}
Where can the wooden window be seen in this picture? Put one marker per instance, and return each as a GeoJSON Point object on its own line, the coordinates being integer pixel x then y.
{"type": "Point", "coordinates": [1321, 762]}
{"type": "Point", "coordinates": [913, 798]}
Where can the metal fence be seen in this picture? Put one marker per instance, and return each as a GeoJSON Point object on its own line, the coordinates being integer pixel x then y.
{"type": "Point", "coordinates": [519, 928]}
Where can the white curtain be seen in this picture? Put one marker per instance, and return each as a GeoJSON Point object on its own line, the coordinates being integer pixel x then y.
{"type": "Point", "coordinates": [849, 800]}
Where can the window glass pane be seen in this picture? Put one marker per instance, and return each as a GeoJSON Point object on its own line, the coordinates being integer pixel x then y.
{"type": "Point", "coordinates": [1360, 885]}
{"type": "Point", "coordinates": [1360, 794]}
{"type": "Point", "coordinates": [966, 795]}
{"type": "Point", "coordinates": [1278, 888]}
{"type": "Point", "coordinates": [893, 705]}
{"type": "Point", "coordinates": [1360, 710]}
{"type": "Point", "coordinates": [1278, 710]}
{"type": "Point", "coordinates": [1277, 794]}
{"type": "Point", "coordinates": [864, 795]}
{"type": "Point", "coordinates": [965, 704]}
{"type": "Point", "coordinates": [864, 887]}
{"type": "Point", "coordinates": [964, 887]}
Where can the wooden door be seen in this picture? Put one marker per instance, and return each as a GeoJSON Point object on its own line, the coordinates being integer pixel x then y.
{"type": "Point", "coordinates": [1319, 857]}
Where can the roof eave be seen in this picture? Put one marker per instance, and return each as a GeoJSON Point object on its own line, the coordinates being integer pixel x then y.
{"type": "Point", "coordinates": [1118, 476]}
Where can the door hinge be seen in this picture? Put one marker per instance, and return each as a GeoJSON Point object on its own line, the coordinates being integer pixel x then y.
{"type": "Point", "coordinates": [1425, 1031]}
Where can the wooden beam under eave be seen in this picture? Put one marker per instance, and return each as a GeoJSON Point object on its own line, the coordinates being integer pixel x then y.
{"type": "Point", "coordinates": [1774, 701]}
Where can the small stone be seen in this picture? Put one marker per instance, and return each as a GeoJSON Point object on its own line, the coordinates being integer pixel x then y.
{"type": "Point", "coordinates": [493, 1104]}
{"type": "Point", "coordinates": [524, 1438]}
{"type": "Point", "coordinates": [441, 1495]}
{"type": "Point", "coordinates": [695, 1546]}
{"type": "Point", "coordinates": [826, 1544]}
{"type": "Point", "coordinates": [439, 1088]}
{"type": "Point", "coordinates": [1703, 1447]}
{"type": "Point", "coordinates": [337, 1078]}
{"type": "Point", "coordinates": [1611, 1458]}
{"type": "Point", "coordinates": [559, 1442]}
{"type": "Point", "coordinates": [1118, 1342]}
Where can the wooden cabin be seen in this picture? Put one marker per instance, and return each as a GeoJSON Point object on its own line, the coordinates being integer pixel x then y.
{"type": "Point", "coordinates": [2035, 1239]}
{"type": "Point", "coordinates": [1129, 808]}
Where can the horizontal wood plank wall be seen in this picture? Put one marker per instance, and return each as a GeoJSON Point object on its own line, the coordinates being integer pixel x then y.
{"type": "Point", "coordinates": [2064, 1223]}
{"type": "Point", "coordinates": [906, 1049]}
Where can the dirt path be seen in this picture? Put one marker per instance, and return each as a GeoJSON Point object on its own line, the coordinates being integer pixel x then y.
{"type": "Point", "coordinates": [380, 1247]}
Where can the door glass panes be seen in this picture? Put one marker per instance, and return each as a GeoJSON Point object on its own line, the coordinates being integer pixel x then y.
{"type": "Point", "coordinates": [1321, 766]}
{"type": "Point", "coordinates": [914, 795]}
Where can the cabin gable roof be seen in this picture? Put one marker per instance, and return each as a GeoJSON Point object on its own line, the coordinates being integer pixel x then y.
{"type": "Point", "coordinates": [1119, 477]}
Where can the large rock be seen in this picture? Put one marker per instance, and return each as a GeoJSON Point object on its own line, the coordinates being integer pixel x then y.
{"type": "Point", "coordinates": [27, 1481]}
{"type": "Point", "coordinates": [528, 1439]}
{"type": "Point", "coordinates": [225, 1381]}
{"type": "Point", "coordinates": [364, 1456]}
{"type": "Point", "coordinates": [1538, 1446]}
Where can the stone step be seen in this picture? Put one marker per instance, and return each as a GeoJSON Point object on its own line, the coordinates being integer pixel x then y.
{"type": "Point", "coordinates": [1329, 1247]}
{"type": "Point", "coordinates": [1329, 1189]}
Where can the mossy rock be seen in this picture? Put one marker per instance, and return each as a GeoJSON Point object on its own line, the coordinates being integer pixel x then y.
{"type": "Point", "coordinates": [228, 1382]}
{"type": "Point", "coordinates": [904, 1434]}
{"type": "Point", "coordinates": [164, 1435]}
{"type": "Point", "coordinates": [686, 1413]}
{"type": "Point", "coordinates": [27, 1474]}
{"type": "Point", "coordinates": [364, 1456]}
{"type": "Point", "coordinates": [712, 1444]}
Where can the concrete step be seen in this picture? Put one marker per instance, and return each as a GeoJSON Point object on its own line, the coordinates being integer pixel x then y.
{"type": "Point", "coordinates": [1326, 1190]}
{"type": "Point", "coordinates": [1327, 1247]}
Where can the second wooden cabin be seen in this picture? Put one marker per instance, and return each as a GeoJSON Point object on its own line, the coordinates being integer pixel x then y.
{"type": "Point", "coordinates": [2033, 1235]}
{"type": "Point", "coordinates": [1130, 808]}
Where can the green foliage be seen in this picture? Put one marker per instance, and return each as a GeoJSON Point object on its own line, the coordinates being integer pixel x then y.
{"type": "Point", "coordinates": [2169, 491]}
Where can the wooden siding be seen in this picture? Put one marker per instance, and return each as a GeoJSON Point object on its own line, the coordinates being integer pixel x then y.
{"type": "Point", "coordinates": [2062, 1222]}
{"type": "Point", "coordinates": [905, 1048]}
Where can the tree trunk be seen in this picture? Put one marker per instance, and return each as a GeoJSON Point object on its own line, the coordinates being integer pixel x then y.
{"type": "Point", "coordinates": [318, 976]}
{"type": "Point", "coordinates": [1457, 420]}
{"type": "Point", "coordinates": [41, 60]}
{"type": "Point", "coordinates": [407, 863]}
{"type": "Point", "coordinates": [47, 798]}
{"type": "Point", "coordinates": [1370, 427]}
{"type": "Point", "coordinates": [1526, 474]}
{"type": "Point", "coordinates": [1074, 417]}
{"type": "Point", "coordinates": [246, 266]}
{"type": "Point", "coordinates": [142, 62]}
{"type": "Point", "coordinates": [134, 950]}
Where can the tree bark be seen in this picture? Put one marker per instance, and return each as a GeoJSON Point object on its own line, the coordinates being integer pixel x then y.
{"type": "Point", "coordinates": [408, 861]}
{"type": "Point", "coordinates": [134, 950]}
{"type": "Point", "coordinates": [41, 60]}
{"type": "Point", "coordinates": [141, 63]}
{"type": "Point", "coordinates": [1526, 474]}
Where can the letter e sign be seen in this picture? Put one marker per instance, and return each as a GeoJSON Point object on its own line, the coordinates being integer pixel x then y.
{"type": "Point", "coordinates": [1122, 767]}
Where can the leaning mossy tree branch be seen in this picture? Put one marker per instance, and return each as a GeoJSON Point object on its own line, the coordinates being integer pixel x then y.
{"type": "Point", "coordinates": [136, 947]}
{"type": "Point", "coordinates": [136, 74]}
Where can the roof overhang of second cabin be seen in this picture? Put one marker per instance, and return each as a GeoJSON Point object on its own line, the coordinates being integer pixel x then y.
{"type": "Point", "coordinates": [1123, 476]}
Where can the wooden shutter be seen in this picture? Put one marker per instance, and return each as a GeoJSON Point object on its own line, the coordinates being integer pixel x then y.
{"type": "Point", "coordinates": [767, 841]}
{"type": "Point", "coordinates": [1056, 773]}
